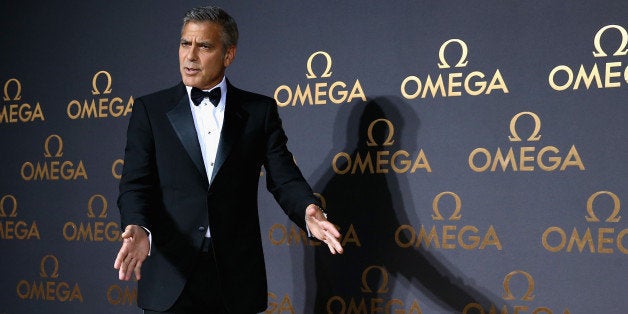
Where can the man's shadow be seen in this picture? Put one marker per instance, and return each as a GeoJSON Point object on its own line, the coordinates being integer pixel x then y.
{"type": "Point", "coordinates": [369, 207]}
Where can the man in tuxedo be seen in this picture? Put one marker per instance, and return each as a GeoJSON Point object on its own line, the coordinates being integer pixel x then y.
{"type": "Point", "coordinates": [188, 192]}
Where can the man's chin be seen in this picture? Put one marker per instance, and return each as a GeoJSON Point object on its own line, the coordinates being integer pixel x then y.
{"type": "Point", "coordinates": [190, 82]}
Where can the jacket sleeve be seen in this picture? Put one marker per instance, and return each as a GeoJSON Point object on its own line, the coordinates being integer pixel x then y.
{"type": "Point", "coordinates": [283, 178]}
{"type": "Point", "coordinates": [139, 185]}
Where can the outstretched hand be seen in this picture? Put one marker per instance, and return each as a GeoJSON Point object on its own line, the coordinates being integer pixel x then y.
{"type": "Point", "coordinates": [134, 251]}
{"type": "Point", "coordinates": [322, 229]}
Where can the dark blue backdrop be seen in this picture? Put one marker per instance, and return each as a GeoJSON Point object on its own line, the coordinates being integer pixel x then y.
{"type": "Point", "coordinates": [442, 209]}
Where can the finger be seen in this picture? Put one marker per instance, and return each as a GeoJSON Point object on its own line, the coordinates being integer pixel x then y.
{"type": "Point", "coordinates": [128, 271]}
{"type": "Point", "coordinates": [126, 268]}
{"type": "Point", "coordinates": [128, 233]}
{"type": "Point", "coordinates": [118, 262]}
{"type": "Point", "coordinates": [329, 227]}
{"type": "Point", "coordinates": [334, 245]}
{"type": "Point", "coordinates": [122, 254]}
{"type": "Point", "coordinates": [330, 246]}
{"type": "Point", "coordinates": [122, 271]}
{"type": "Point", "coordinates": [138, 266]}
{"type": "Point", "coordinates": [338, 247]}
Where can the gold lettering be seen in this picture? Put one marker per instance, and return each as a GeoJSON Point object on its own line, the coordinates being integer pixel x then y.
{"type": "Point", "coordinates": [552, 81]}
{"type": "Point", "coordinates": [362, 164]}
{"type": "Point", "coordinates": [115, 171]}
{"type": "Point", "coordinates": [15, 113]}
{"type": "Point", "coordinates": [601, 240]}
{"type": "Point", "coordinates": [351, 237]}
{"type": "Point", "coordinates": [288, 91]}
{"type": "Point", "coordinates": [554, 160]}
{"type": "Point", "coordinates": [491, 239]}
{"type": "Point", "coordinates": [475, 240]}
{"type": "Point", "coordinates": [453, 83]}
{"type": "Point", "coordinates": [404, 162]}
{"type": "Point", "coordinates": [497, 83]}
{"type": "Point", "coordinates": [90, 110]}
{"type": "Point", "coordinates": [620, 240]}
{"type": "Point", "coordinates": [447, 236]}
{"type": "Point", "coordinates": [342, 93]}
{"type": "Point", "coordinates": [19, 230]}
{"type": "Point", "coordinates": [357, 308]}
{"type": "Point", "coordinates": [375, 305]}
{"type": "Point", "coordinates": [404, 90]}
{"type": "Point", "coordinates": [336, 299]}
{"type": "Point", "coordinates": [523, 158]}
{"type": "Point", "coordinates": [434, 88]}
{"type": "Point", "coordinates": [572, 159]}
{"type": "Point", "coordinates": [510, 159]}
{"type": "Point", "coordinates": [480, 84]}
{"type": "Point", "coordinates": [116, 296]}
{"type": "Point", "coordinates": [423, 237]}
{"type": "Point", "coordinates": [335, 163]}
{"type": "Point", "coordinates": [487, 156]}
{"type": "Point", "coordinates": [586, 239]}
{"type": "Point", "coordinates": [283, 232]}
{"type": "Point", "coordinates": [563, 239]}
{"type": "Point", "coordinates": [582, 76]}
{"type": "Point", "coordinates": [398, 236]}
{"type": "Point", "coordinates": [421, 162]}
{"type": "Point", "coordinates": [357, 92]}
{"type": "Point", "coordinates": [380, 161]}
{"type": "Point", "coordinates": [610, 74]}
{"type": "Point", "coordinates": [319, 93]}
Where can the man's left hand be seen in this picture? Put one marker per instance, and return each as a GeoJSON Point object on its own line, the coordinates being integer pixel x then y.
{"type": "Point", "coordinates": [322, 229]}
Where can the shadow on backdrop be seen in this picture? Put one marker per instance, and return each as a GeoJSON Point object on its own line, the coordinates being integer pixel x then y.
{"type": "Point", "coordinates": [372, 204]}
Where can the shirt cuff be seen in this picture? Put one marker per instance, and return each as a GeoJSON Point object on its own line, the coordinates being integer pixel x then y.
{"type": "Point", "coordinates": [150, 239]}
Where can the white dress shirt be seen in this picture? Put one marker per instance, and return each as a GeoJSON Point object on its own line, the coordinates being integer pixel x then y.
{"type": "Point", "coordinates": [208, 121]}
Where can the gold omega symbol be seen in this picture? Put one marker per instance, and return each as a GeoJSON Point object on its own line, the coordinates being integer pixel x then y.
{"type": "Point", "coordinates": [59, 152]}
{"type": "Point", "coordinates": [535, 136]}
{"type": "Point", "coordinates": [118, 162]}
{"type": "Point", "coordinates": [383, 288]}
{"type": "Point", "coordinates": [391, 133]}
{"type": "Point", "coordinates": [621, 50]}
{"type": "Point", "coordinates": [18, 93]}
{"type": "Point", "coordinates": [90, 206]}
{"type": "Point", "coordinates": [456, 214]}
{"type": "Point", "coordinates": [95, 90]}
{"type": "Point", "coordinates": [55, 268]}
{"type": "Point", "coordinates": [3, 212]}
{"type": "Point", "coordinates": [310, 73]}
{"type": "Point", "coordinates": [528, 295]}
{"type": "Point", "coordinates": [614, 217]}
{"type": "Point", "coordinates": [463, 56]}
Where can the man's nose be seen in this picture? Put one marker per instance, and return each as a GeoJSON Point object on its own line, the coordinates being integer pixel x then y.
{"type": "Point", "coordinates": [192, 54]}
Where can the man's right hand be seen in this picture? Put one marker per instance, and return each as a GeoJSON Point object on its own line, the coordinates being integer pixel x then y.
{"type": "Point", "coordinates": [133, 252]}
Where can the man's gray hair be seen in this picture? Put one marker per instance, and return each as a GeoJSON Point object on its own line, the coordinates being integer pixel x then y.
{"type": "Point", "coordinates": [216, 15]}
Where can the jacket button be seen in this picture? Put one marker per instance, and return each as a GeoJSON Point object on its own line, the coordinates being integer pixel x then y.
{"type": "Point", "coordinates": [201, 228]}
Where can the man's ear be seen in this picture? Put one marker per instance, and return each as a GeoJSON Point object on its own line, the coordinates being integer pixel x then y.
{"type": "Point", "coordinates": [229, 56]}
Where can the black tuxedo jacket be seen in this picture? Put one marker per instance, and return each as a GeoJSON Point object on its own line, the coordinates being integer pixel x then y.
{"type": "Point", "coordinates": [164, 187]}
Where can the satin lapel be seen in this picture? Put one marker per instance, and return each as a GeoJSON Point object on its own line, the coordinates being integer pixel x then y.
{"type": "Point", "coordinates": [232, 127]}
{"type": "Point", "coordinates": [183, 123]}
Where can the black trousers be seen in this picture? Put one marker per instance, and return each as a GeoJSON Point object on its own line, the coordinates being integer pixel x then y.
{"type": "Point", "coordinates": [201, 294]}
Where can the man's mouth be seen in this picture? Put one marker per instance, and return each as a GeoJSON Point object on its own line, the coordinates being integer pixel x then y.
{"type": "Point", "coordinates": [191, 71]}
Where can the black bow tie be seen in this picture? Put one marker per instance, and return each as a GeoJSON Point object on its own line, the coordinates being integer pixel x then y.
{"type": "Point", "coordinates": [198, 95]}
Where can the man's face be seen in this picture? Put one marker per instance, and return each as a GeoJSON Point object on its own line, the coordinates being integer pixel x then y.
{"type": "Point", "coordinates": [202, 57]}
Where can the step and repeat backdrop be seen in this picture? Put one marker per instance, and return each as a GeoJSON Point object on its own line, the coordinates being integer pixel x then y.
{"type": "Point", "coordinates": [473, 153]}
